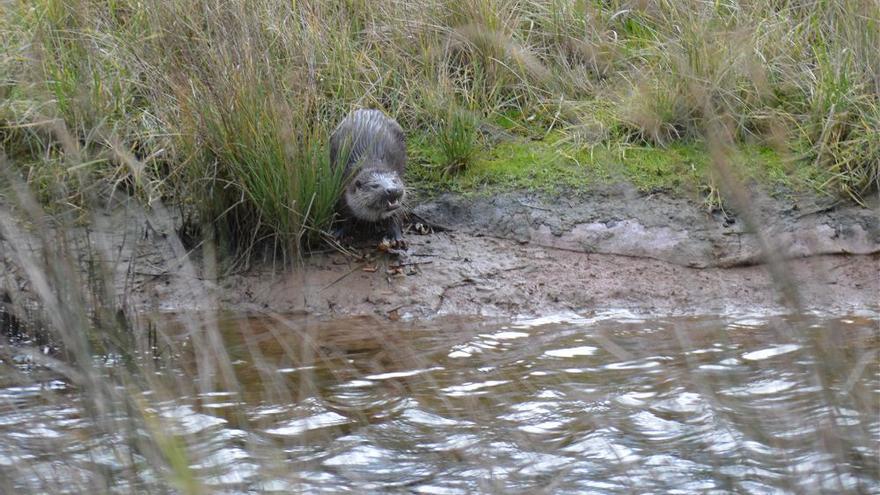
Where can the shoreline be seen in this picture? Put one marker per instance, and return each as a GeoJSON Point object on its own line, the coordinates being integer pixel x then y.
{"type": "Point", "coordinates": [520, 254]}
{"type": "Point", "coordinates": [526, 254]}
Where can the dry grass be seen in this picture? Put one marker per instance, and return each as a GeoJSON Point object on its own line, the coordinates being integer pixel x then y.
{"type": "Point", "coordinates": [223, 108]}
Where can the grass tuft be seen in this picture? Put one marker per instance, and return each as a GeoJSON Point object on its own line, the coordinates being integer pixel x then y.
{"type": "Point", "coordinates": [458, 139]}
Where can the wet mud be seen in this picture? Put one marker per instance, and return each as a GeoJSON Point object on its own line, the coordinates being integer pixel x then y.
{"type": "Point", "coordinates": [524, 254]}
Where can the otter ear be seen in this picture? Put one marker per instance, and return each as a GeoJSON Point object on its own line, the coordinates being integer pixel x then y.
{"type": "Point", "coordinates": [358, 184]}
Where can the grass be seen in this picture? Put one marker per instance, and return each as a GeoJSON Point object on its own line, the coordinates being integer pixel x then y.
{"type": "Point", "coordinates": [228, 105]}
{"type": "Point", "coordinates": [457, 140]}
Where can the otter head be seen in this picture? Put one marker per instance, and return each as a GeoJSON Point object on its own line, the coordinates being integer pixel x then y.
{"type": "Point", "coordinates": [375, 194]}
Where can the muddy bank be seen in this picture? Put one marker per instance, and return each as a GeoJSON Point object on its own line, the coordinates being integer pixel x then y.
{"type": "Point", "coordinates": [612, 249]}
{"type": "Point", "coordinates": [621, 221]}
{"type": "Point", "coordinates": [520, 254]}
{"type": "Point", "coordinates": [462, 274]}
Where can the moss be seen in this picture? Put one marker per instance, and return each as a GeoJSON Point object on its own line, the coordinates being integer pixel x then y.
{"type": "Point", "coordinates": [514, 164]}
{"type": "Point", "coordinates": [552, 164]}
{"type": "Point", "coordinates": [650, 168]}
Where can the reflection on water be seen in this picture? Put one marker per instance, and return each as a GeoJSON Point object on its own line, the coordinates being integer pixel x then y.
{"type": "Point", "coordinates": [606, 404]}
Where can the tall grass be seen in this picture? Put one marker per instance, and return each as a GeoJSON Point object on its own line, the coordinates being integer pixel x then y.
{"type": "Point", "coordinates": [228, 103]}
{"type": "Point", "coordinates": [77, 326]}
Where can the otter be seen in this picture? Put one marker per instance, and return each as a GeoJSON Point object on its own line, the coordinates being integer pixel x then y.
{"type": "Point", "coordinates": [370, 146]}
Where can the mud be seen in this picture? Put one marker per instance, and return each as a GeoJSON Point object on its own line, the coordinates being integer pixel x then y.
{"type": "Point", "coordinates": [523, 254]}
{"type": "Point", "coordinates": [621, 221]}
{"type": "Point", "coordinates": [463, 274]}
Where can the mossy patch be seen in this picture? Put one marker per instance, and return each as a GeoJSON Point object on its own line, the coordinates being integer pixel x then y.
{"type": "Point", "coordinates": [514, 164]}
{"type": "Point", "coordinates": [553, 164]}
{"type": "Point", "coordinates": [650, 168]}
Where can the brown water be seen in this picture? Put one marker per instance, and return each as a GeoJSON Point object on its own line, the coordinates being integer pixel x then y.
{"type": "Point", "coordinates": [602, 404]}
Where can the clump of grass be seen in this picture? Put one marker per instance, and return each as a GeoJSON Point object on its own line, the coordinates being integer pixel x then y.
{"type": "Point", "coordinates": [844, 126]}
{"type": "Point", "coordinates": [458, 139]}
{"type": "Point", "coordinates": [266, 170]}
{"type": "Point", "coordinates": [658, 113]}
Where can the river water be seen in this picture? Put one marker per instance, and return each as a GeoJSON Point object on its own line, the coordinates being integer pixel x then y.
{"type": "Point", "coordinates": [604, 403]}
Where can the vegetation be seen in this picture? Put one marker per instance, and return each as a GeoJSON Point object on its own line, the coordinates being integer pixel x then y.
{"type": "Point", "coordinates": [226, 106]}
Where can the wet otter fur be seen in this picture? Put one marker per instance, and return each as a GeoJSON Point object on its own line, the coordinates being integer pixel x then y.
{"type": "Point", "coordinates": [371, 148]}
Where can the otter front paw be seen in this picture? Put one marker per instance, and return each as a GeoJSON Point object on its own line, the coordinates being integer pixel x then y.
{"type": "Point", "coordinates": [395, 236]}
{"type": "Point", "coordinates": [399, 243]}
{"type": "Point", "coordinates": [390, 245]}
{"type": "Point", "coordinates": [337, 232]}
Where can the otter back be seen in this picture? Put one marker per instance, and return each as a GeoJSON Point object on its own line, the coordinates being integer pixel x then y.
{"type": "Point", "coordinates": [368, 139]}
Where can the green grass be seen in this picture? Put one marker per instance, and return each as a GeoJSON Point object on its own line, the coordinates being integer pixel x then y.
{"type": "Point", "coordinates": [457, 140]}
{"type": "Point", "coordinates": [267, 169]}
{"type": "Point", "coordinates": [226, 106]}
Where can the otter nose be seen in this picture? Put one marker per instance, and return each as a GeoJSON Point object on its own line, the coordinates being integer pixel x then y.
{"type": "Point", "coordinates": [393, 194]}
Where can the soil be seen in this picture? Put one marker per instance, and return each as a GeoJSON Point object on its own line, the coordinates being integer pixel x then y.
{"type": "Point", "coordinates": [526, 254]}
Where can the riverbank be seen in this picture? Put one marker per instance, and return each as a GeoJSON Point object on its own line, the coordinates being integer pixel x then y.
{"type": "Point", "coordinates": [516, 254]}
{"type": "Point", "coordinates": [226, 108]}
{"type": "Point", "coordinates": [526, 254]}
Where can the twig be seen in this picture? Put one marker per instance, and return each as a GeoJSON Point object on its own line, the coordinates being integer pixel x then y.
{"type": "Point", "coordinates": [411, 263]}
{"type": "Point", "coordinates": [818, 210]}
{"type": "Point", "coordinates": [331, 284]}
{"type": "Point", "coordinates": [535, 207]}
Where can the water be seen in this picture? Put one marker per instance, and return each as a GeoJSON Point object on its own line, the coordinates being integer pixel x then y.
{"type": "Point", "coordinates": [568, 404]}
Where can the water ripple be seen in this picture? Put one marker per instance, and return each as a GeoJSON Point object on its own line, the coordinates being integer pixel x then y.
{"type": "Point", "coordinates": [568, 404]}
